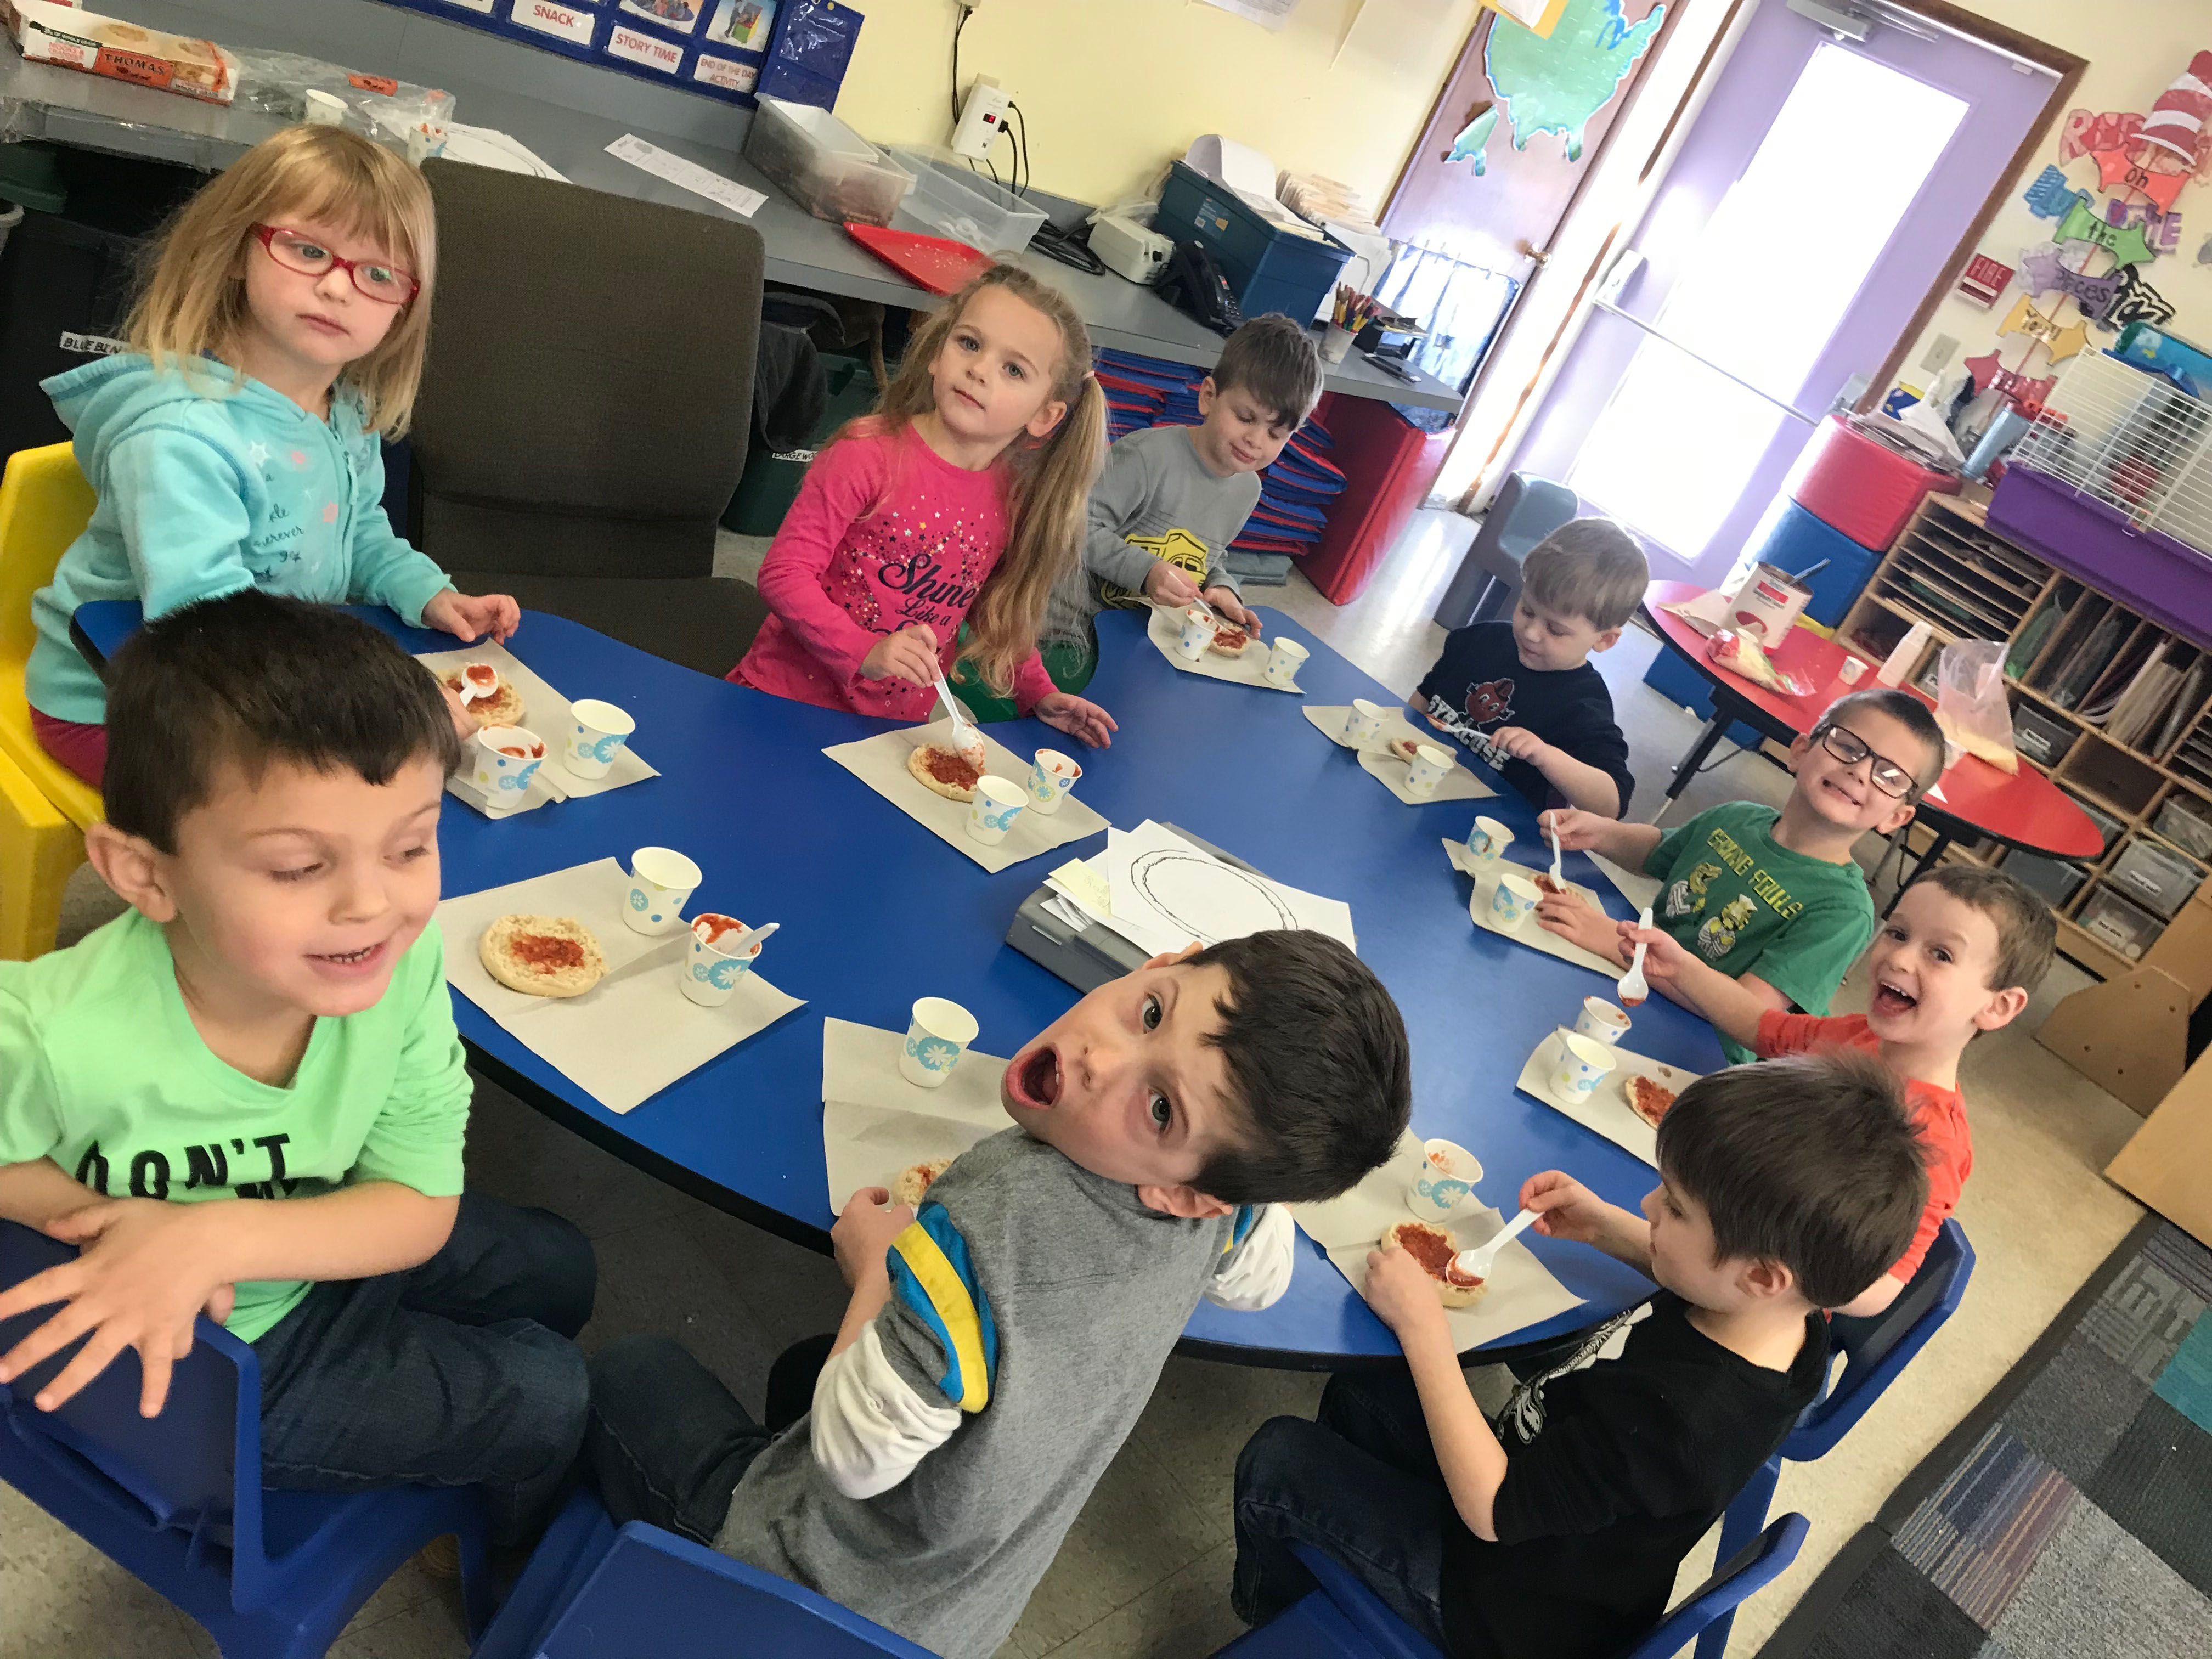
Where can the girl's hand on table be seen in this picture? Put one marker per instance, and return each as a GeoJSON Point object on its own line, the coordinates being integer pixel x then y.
{"type": "Point", "coordinates": [1078, 717]}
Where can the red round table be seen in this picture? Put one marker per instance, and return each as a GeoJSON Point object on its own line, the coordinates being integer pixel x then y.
{"type": "Point", "coordinates": [2023, 808]}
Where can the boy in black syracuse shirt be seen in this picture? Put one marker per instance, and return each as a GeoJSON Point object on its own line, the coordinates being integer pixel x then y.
{"type": "Point", "coordinates": [1522, 694]}
{"type": "Point", "coordinates": [1785, 1189]}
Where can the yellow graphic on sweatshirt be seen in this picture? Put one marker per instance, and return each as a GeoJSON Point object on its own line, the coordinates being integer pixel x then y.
{"type": "Point", "coordinates": [1717, 937]}
{"type": "Point", "coordinates": [1688, 897]}
{"type": "Point", "coordinates": [1179, 548]}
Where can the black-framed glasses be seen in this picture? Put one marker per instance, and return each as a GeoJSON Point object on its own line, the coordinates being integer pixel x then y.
{"type": "Point", "coordinates": [1885, 774]}
{"type": "Point", "coordinates": [372, 278]}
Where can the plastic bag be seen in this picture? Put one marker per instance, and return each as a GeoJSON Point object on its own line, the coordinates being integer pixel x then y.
{"type": "Point", "coordinates": [399, 114]}
{"type": "Point", "coordinates": [1970, 702]}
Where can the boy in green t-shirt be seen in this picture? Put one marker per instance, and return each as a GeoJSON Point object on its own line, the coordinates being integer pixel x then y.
{"type": "Point", "coordinates": [1773, 899]}
{"type": "Point", "coordinates": [245, 1095]}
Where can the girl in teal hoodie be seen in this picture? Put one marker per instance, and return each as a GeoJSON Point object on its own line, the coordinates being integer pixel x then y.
{"type": "Point", "coordinates": [236, 444]}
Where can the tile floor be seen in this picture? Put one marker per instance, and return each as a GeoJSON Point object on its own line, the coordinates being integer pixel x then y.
{"type": "Point", "coordinates": [1144, 1571]}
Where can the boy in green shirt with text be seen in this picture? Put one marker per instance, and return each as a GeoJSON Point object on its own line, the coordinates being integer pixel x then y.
{"type": "Point", "coordinates": [1771, 898]}
{"type": "Point", "coordinates": [245, 1095]}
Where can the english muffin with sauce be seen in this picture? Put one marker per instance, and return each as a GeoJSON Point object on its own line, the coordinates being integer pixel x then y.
{"type": "Point", "coordinates": [543, 956]}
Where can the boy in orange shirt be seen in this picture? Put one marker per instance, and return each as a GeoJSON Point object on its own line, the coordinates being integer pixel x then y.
{"type": "Point", "coordinates": [1962, 952]}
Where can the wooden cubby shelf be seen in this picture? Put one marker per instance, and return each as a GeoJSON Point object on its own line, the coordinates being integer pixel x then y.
{"type": "Point", "coordinates": [2130, 701]}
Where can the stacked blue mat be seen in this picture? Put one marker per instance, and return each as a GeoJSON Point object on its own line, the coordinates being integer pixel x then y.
{"type": "Point", "coordinates": [1296, 493]}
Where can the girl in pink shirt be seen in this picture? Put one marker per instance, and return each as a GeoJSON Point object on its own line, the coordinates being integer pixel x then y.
{"type": "Point", "coordinates": [960, 499]}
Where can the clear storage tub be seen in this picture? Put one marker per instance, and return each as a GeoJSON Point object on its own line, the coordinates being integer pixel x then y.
{"type": "Point", "coordinates": [948, 200]}
{"type": "Point", "coordinates": [823, 165]}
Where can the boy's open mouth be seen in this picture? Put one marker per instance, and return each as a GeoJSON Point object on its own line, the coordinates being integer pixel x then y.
{"type": "Point", "coordinates": [1844, 794]}
{"type": "Point", "coordinates": [1891, 999]}
{"type": "Point", "coordinates": [1036, 1079]}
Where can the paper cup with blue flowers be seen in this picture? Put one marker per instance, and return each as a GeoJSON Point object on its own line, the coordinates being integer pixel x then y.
{"type": "Point", "coordinates": [661, 882]}
{"type": "Point", "coordinates": [1050, 778]}
{"type": "Point", "coordinates": [714, 963]}
{"type": "Point", "coordinates": [502, 762]}
{"type": "Point", "coordinates": [597, 732]}
{"type": "Point", "coordinates": [937, 1035]}
{"type": "Point", "coordinates": [997, 802]}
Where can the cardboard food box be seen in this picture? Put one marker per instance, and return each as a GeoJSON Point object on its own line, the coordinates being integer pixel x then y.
{"type": "Point", "coordinates": [1767, 605]}
{"type": "Point", "coordinates": [53, 32]}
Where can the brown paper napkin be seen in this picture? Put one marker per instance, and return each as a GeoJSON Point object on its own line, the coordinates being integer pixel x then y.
{"type": "Point", "coordinates": [1165, 628]}
{"type": "Point", "coordinates": [875, 1123]}
{"type": "Point", "coordinates": [546, 712]}
{"type": "Point", "coordinates": [635, 1032]}
{"type": "Point", "coordinates": [1523, 1292]}
{"type": "Point", "coordinates": [880, 762]}
{"type": "Point", "coordinates": [1529, 932]}
{"type": "Point", "coordinates": [1607, 1110]}
{"type": "Point", "coordinates": [1458, 784]}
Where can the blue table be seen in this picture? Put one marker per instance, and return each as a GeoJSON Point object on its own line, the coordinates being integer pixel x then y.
{"type": "Point", "coordinates": [876, 912]}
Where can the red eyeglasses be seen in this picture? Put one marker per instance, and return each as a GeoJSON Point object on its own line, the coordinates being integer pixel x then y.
{"type": "Point", "coordinates": [374, 280]}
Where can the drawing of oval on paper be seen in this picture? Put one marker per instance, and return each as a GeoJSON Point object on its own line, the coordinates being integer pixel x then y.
{"type": "Point", "coordinates": [1208, 899]}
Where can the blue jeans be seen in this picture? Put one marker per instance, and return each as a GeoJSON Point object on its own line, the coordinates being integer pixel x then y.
{"type": "Point", "coordinates": [668, 1443]}
{"type": "Point", "coordinates": [460, 1372]}
{"type": "Point", "coordinates": [1362, 1484]}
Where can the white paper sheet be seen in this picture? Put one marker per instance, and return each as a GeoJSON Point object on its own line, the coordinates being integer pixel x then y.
{"type": "Point", "coordinates": [880, 762]}
{"type": "Point", "coordinates": [488, 147]}
{"type": "Point", "coordinates": [1164, 627]}
{"type": "Point", "coordinates": [1530, 933]}
{"type": "Point", "coordinates": [687, 175]}
{"type": "Point", "coordinates": [1167, 892]}
{"type": "Point", "coordinates": [635, 1032]}
{"type": "Point", "coordinates": [544, 712]}
{"type": "Point", "coordinates": [1523, 1292]}
{"type": "Point", "coordinates": [875, 1123]}
{"type": "Point", "coordinates": [1605, 1110]}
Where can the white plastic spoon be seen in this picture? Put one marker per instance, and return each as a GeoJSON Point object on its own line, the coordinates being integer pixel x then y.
{"type": "Point", "coordinates": [1475, 1263]}
{"type": "Point", "coordinates": [1633, 987]}
{"type": "Point", "coordinates": [751, 936]}
{"type": "Point", "coordinates": [1558, 880]}
{"type": "Point", "coordinates": [960, 725]}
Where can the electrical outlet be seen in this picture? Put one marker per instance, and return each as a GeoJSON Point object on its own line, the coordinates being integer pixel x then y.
{"type": "Point", "coordinates": [981, 119]}
{"type": "Point", "coordinates": [1940, 352]}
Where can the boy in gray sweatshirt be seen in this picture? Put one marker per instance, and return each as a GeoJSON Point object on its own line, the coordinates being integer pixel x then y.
{"type": "Point", "coordinates": [1172, 498]}
{"type": "Point", "coordinates": [1000, 1344]}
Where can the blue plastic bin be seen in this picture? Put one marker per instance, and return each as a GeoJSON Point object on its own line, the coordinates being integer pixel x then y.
{"type": "Point", "coordinates": [1269, 270]}
{"type": "Point", "coordinates": [1793, 540]}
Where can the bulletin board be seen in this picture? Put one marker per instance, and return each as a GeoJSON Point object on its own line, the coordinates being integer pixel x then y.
{"type": "Point", "coordinates": [715, 48]}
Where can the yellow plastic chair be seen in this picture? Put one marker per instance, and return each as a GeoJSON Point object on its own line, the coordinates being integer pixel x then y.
{"type": "Point", "coordinates": [44, 503]}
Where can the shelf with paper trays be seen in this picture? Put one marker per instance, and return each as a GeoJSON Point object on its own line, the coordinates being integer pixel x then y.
{"type": "Point", "coordinates": [1939, 584]}
{"type": "Point", "coordinates": [1900, 595]}
{"type": "Point", "coordinates": [2089, 727]}
{"type": "Point", "coordinates": [1953, 523]}
{"type": "Point", "coordinates": [1928, 559]}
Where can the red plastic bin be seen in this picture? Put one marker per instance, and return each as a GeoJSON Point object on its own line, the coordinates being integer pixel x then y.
{"type": "Point", "coordinates": [1389, 465]}
{"type": "Point", "coordinates": [1861, 486]}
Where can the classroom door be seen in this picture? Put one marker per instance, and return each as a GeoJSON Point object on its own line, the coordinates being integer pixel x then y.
{"type": "Point", "coordinates": [1820, 193]}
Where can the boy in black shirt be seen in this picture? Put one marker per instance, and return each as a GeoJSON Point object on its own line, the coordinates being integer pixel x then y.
{"type": "Point", "coordinates": [1785, 1189]}
{"type": "Point", "coordinates": [1522, 694]}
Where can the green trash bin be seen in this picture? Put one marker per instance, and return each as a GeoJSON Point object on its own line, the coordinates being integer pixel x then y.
{"type": "Point", "coordinates": [771, 483]}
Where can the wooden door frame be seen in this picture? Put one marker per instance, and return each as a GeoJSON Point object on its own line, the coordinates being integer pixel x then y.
{"type": "Point", "coordinates": [2069, 69]}
{"type": "Point", "coordinates": [2066, 65]}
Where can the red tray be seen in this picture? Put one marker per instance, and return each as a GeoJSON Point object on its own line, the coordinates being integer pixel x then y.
{"type": "Point", "coordinates": [935, 263]}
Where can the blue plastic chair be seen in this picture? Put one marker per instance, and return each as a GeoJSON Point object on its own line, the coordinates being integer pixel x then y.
{"type": "Point", "coordinates": [1527, 509]}
{"type": "Point", "coordinates": [1874, 1351]}
{"type": "Point", "coordinates": [1344, 1619]}
{"type": "Point", "coordinates": [176, 1498]}
{"type": "Point", "coordinates": [591, 1592]}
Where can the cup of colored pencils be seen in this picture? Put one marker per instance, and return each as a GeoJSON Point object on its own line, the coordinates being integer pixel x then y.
{"type": "Point", "coordinates": [1352, 311]}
